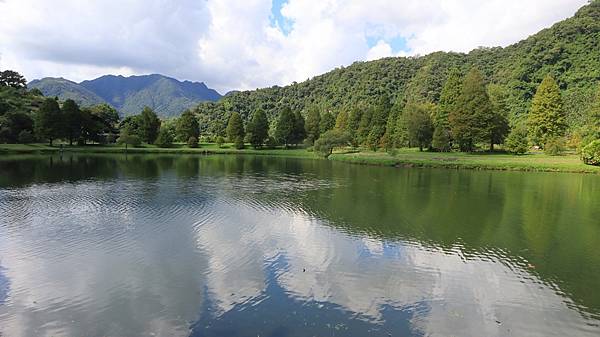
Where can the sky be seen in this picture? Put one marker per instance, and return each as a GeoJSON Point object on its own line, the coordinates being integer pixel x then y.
{"type": "Point", "coordinates": [248, 44]}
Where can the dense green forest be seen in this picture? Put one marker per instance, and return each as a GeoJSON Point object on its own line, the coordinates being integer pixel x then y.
{"type": "Point", "coordinates": [568, 51]}
{"type": "Point", "coordinates": [542, 92]}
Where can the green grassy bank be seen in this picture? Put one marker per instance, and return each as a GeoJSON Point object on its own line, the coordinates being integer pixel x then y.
{"type": "Point", "coordinates": [403, 158]}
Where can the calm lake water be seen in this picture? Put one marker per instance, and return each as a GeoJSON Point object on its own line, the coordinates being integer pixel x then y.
{"type": "Point", "coordinates": [109, 245]}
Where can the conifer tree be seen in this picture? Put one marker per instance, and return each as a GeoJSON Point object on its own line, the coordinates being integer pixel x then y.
{"type": "Point", "coordinates": [235, 128]}
{"type": "Point", "coordinates": [448, 100]}
{"type": "Point", "coordinates": [299, 133]}
{"type": "Point", "coordinates": [499, 127]}
{"type": "Point", "coordinates": [341, 121]}
{"type": "Point", "coordinates": [284, 130]}
{"type": "Point", "coordinates": [378, 122]}
{"type": "Point", "coordinates": [313, 124]}
{"type": "Point", "coordinates": [149, 125]}
{"type": "Point", "coordinates": [258, 128]}
{"type": "Point", "coordinates": [471, 119]}
{"type": "Point", "coordinates": [546, 118]}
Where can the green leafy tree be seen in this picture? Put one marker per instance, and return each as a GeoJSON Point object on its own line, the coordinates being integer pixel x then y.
{"type": "Point", "coordinates": [129, 139]}
{"type": "Point", "coordinates": [313, 124]}
{"type": "Point", "coordinates": [591, 153]}
{"type": "Point", "coordinates": [517, 142]}
{"type": "Point", "coordinates": [546, 117]}
{"type": "Point", "coordinates": [258, 129]}
{"type": "Point", "coordinates": [448, 100]}
{"type": "Point", "coordinates": [378, 123]}
{"type": "Point", "coordinates": [471, 120]}
{"type": "Point", "coordinates": [47, 120]}
{"type": "Point", "coordinates": [165, 137]}
{"type": "Point", "coordinates": [220, 141]}
{"type": "Point", "coordinates": [25, 137]}
{"type": "Point", "coordinates": [364, 126]}
{"type": "Point", "coordinates": [327, 122]}
{"type": "Point", "coordinates": [499, 127]}
{"type": "Point", "coordinates": [235, 128]}
{"type": "Point", "coordinates": [441, 139]}
{"type": "Point", "coordinates": [593, 116]}
{"type": "Point", "coordinates": [284, 130]}
{"type": "Point", "coordinates": [192, 142]}
{"type": "Point", "coordinates": [13, 123]}
{"type": "Point", "coordinates": [353, 123]}
{"type": "Point", "coordinates": [72, 119]}
{"type": "Point", "coordinates": [12, 79]}
{"type": "Point", "coordinates": [100, 120]}
{"type": "Point", "coordinates": [341, 121]}
{"type": "Point", "coordinates": [388, 141]}
{"type": "Point", "coordinates": [187, 126]}
{"type": "Point", "coordinates": [149, 125]}
{"type": "Point", "coordinates": [299, 133]}
{"type": "Point", "coordinates": [132, 125]}
{"type": "Point", "coordinates": [419, 123]}
{"type": "Point", "coordinates": [330, 140]}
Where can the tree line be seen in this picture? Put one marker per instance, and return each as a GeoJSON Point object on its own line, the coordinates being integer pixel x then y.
{"type": "Point", "coordinates": [470, 115]}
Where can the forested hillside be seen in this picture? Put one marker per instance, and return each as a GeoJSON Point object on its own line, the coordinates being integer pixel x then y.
{"type": "Point", "coordinates": [569, 51]}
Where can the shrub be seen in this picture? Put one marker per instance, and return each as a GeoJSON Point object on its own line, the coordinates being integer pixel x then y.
{"type": "Point", "coordinates": [192, 142]}
{"type": "Point", "coordinates": [517, 142]}
{"type": "Point", "coordinates": [25, 137]}
{"type": "Point", "coordinates": [239, 142]}
{"type": "Point", "coordinates": [554, 146]}
{"type": "Point", "coordinates": [591, 153]}
{"type": "Point", "coordinates": [271, 142]}
{"type": "Point", "coordinates": [220, 141]}
{"type": "Point", "coordinates": [133, 140]}
{"type": "Point", "coordinates": [164, 139]}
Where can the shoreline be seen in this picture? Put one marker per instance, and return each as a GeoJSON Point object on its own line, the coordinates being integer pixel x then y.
{"type": "Point", "coordinates": [536, 162]}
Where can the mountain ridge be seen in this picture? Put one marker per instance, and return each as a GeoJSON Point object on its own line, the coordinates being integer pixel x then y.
{"type": "Point", "coordinates": [129, 95]}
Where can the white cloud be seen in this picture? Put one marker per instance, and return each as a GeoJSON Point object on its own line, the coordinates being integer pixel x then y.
{"type": "Point", "coordinates": [233, 45]}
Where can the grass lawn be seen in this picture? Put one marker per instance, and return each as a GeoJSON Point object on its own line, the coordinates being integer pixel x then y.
{"type": "Point", "coordinates": [498, 161]}
{"type": "Point", "coordinates": [404, 157]}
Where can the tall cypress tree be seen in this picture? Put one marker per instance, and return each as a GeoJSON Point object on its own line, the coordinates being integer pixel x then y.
{"type": "Point", "coordinates": [258, 128]}
{"type": "Point", "coordinates": [500, 127]}
{"type": "Point", "coordinates": [284, 130]}
{"type": "Point", "coordinates": [378, 122]}
{"type": "Point", "coordinates": [470, 121]}
{"type": "Point", "coordinates": [448, 100]}
{"type": "Point", "coordinates": [546, 117]}
{"type": "Point", "coordinates": [149, 125]}
{"type": "Point", "coordinates": [235, 128]}
{"type": "Point", "coordinates": [341, 121]}
{"type": "Point", "coordinates": [299, 133]}
{"type": "Point", "coordinates": [313, 124]}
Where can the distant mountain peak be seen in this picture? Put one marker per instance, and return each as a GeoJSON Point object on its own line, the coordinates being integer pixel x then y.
{"type": "Point", "coordinates": [130, 94]}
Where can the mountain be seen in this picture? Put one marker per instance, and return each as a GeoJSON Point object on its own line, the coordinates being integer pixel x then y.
{"type": "Point", "coordinates": [66, 89]}
{"type": "Point", "coordinates": [569, 50]}
{"type": "Point", "coordinates": [167, 96]}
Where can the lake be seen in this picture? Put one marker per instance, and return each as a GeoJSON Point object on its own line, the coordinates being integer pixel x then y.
{"type": "Point", "coordinates": [149, 245]}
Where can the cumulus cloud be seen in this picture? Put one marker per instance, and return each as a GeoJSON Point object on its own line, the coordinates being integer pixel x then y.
{"type": "Point", "coordinates": [237, 45]}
